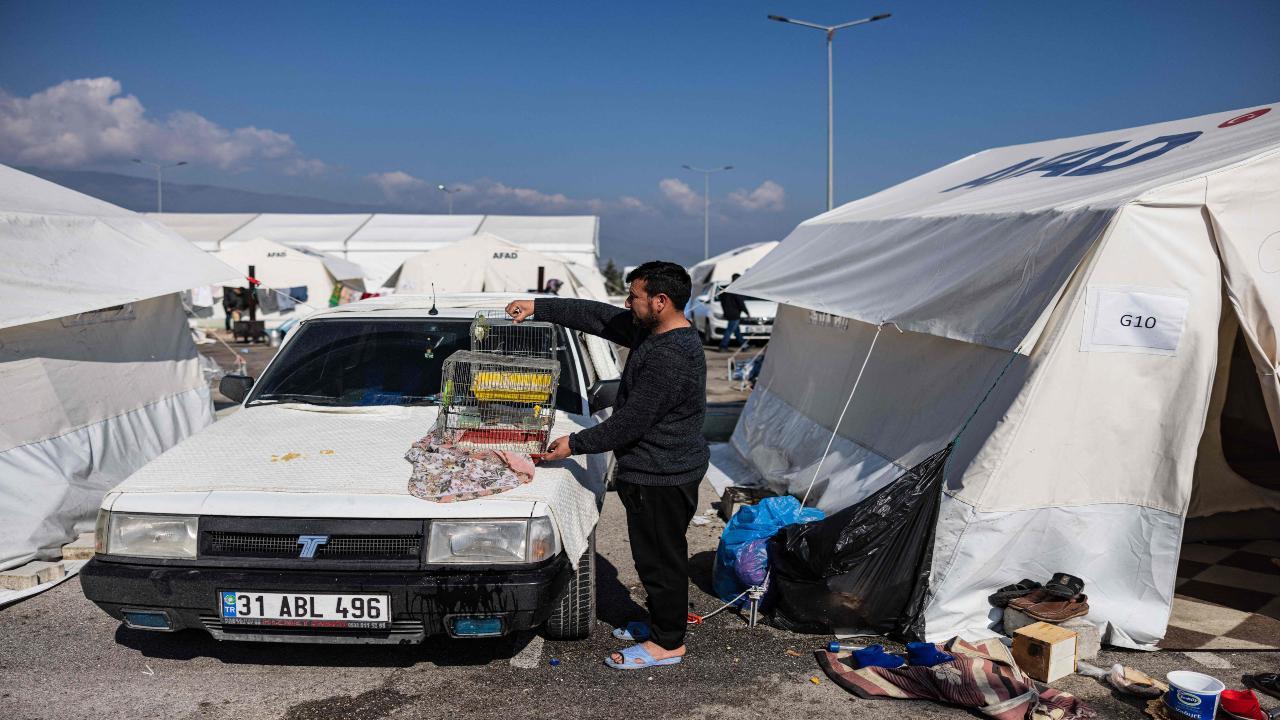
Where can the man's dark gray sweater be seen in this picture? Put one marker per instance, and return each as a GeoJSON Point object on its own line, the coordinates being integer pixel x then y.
{"type": "Point", "coordinates": [655, 431]}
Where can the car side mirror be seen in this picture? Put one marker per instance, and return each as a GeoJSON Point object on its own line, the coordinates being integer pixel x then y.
{"type": "Point", "coordinates": [602, 394]}
{"type": "Point", "coordinates": [235, 387]}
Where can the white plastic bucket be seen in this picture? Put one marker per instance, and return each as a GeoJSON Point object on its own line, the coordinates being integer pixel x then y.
{"type": "Point", "coordinates": [1193, 695]}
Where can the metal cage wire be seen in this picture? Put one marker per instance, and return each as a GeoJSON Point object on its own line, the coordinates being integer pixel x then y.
{"type": "Point", "coordinates": [497, 402]}
{"type": "Point", "coordinates": [494, 332]}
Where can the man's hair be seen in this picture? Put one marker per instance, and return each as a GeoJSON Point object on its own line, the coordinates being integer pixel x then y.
{"type": "Point", "coordinates": [664, 278]}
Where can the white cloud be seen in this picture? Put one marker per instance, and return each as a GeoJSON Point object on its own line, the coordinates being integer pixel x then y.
{"type": "Point", "coordinates": [86, 122]}
{"type": "Point", "coordinates": [769, 197]}
{"type": "Point", "coordinates": [491, 196]}
{"type": "Point", "coordinates": [397, 184]}
{"type": "Point", "coordinates": [679, 192]}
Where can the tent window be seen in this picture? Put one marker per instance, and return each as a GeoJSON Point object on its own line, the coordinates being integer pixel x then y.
{"type": "Point", "coordinates": [1247, 438]}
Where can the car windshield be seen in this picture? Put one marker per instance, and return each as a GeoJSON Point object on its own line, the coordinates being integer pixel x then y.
{"type": "Point", "coordinates": [360, 362]}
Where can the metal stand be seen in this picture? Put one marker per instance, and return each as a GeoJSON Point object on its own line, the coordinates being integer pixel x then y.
{"type": "Point", "coordinates": [754, 596]}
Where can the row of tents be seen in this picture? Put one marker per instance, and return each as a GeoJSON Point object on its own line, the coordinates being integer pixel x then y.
{"type": "Point", "coordinates": [1107, 305]}
{"type": "Point", "coordinates": [475, 263]}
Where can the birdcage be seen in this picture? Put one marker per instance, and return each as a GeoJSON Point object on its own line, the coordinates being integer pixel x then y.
{"type": "Point", "coordinates": [497, 402]}
{"type": "Point", "coordinates": [496, 333]}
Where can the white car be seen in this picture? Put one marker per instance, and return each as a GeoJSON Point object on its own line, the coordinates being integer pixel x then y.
{"type": "Point", "coordinates": [707, 317]}
{"type": "Point", "coordinates": [290, 519]}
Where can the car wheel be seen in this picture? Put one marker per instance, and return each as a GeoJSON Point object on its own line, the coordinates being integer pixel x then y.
{"type": "Point", "coordinates": [707, 337]}
{"type": "Point", "coordinates": [575, 610]}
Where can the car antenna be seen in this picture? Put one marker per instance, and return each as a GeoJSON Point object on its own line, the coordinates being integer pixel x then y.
{"type": "Point", "coordinates": [433, 310]}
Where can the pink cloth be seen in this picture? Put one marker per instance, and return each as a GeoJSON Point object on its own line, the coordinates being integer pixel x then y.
{"type": "Point", "coordinates": [442, 473]}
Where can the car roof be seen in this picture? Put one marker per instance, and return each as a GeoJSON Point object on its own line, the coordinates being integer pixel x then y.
{"type": "Point", "coordinates": [450, 305]}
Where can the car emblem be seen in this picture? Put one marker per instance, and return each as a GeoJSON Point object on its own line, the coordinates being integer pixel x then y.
{"type": "Point", "coordinates": [310, 543]}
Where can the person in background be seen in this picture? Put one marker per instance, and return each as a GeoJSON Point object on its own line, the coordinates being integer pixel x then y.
{"type": "Point", "coordinates": [655, 433]}
{"type": "Point", "coordinates": [552, 287]}
{"type": "Point", "coordinates": [733, 307]}
{"type": "Point", "coordinates": [234, 302]}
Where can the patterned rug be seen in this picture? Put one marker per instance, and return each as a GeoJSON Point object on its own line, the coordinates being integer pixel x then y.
{"type": "Point", "coordinates": [1227, 597]}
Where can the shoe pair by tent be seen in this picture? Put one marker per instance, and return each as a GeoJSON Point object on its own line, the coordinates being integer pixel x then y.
{"type": "Point", "coordinates": [1061, 585]}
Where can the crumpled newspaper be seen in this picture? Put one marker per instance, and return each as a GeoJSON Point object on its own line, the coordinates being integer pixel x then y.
{"type": "Point", "coordinates": [443, 473]}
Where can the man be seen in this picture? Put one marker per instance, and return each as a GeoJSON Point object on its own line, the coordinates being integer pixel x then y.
{"type": "Point", "coordinates": [655, 434]}
{"type": "Point", "coordinates": [733, 307]}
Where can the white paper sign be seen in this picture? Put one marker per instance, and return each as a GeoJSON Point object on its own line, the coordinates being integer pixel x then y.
{"type": "Point", "coordinates": [1132, 319]}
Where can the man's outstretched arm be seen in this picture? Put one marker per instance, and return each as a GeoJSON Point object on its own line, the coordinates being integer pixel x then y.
{"type": "Point", "coordinates": [652, 396]}
{"type": "Point", "coordinates": [608, 321]}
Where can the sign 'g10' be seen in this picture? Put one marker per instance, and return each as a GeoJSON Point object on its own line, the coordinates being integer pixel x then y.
{"type": "Point", "coordinates": [1142, 321]}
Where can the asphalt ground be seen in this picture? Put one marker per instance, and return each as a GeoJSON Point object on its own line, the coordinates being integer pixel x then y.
{"type": "Point", "coordinates": [61, 657]}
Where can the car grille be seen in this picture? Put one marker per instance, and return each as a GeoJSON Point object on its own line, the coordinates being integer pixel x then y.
{"type": "Point", "coordinates": [400, 632]}
{"type": "Point", "coordinates": [338, 547]}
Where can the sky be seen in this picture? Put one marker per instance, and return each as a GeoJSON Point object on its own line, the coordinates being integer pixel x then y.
{"type": "Point", "coordinates": [593, 108]}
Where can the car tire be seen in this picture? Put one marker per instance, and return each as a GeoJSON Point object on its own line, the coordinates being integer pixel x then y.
{"type": "Point", "coordinates": [707, 334]}
{"type": "Point", "coordinates": [575, 610]}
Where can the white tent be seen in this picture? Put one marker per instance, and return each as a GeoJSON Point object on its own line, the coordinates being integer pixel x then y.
{"type": "Point", "coordinates": [1112, 274]}
{"type": "Point", "coordinates": [488, 263]}
{"type": "Point", "coordinates": [97, 368]}
{"type": "Point", "coordinates": [380, 242]}
{"type": "Point", "coordinates": [724, 266]}
{"type": "Point", "coordinates": [279, 266]}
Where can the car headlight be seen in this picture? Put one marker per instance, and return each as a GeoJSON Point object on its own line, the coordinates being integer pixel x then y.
{"type": "Point", "coordinates": [492, 541]}
{"type": "Point", "coordinates": [154, 536]}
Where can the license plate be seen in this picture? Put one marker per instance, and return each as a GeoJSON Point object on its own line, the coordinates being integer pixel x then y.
{"type": "Point", "coordinates": [756, 328]}
{"type": "Point", "coordinates": [366, 612]}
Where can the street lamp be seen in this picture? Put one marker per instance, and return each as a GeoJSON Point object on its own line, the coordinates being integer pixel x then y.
{"type": "Point", "coordinates": [706, 204]}
{"type": "Point", "coordinates": [160, 179]}
{"type": "Point", "coordinates": [448, 192]}
{"type": "Point", "coordinates": [830, 30]}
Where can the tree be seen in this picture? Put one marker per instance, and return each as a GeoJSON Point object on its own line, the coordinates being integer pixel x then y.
{"type": "Point", "coordinates": [613, 281]}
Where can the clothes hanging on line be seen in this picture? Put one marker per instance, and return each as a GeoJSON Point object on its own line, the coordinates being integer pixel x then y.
{"type": "Point", "coordinates": [268, 302]}
{"type": "Point", "coordinates": [298, 293]}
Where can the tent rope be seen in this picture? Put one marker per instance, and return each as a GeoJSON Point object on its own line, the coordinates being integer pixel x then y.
{"type": "Point", "coordinates": [1013, 354]}
{"type": "Point", "coordinates": [840, 420]}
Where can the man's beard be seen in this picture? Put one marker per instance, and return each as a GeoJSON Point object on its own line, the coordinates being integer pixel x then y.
{"type": "Point", "coordinates": [648, 324]}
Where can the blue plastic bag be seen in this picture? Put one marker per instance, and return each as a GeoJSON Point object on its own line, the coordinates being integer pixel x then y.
{"type": "Point", "coordinates": [753, 522]}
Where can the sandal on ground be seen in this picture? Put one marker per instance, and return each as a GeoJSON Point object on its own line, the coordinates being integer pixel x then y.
{"type": "Point", "coordinates": [1064, 586]}
{"type": "Point", "coordinates": [1056, 610]}
{"type": "Point", "coordinates": [1268, 683]}
{"type": "Point", "coordinates": [1001, 597]}
{"type": "Point", "coordinates": [637, 652]}
{"type": "Point", "coordinates": [635, 631]}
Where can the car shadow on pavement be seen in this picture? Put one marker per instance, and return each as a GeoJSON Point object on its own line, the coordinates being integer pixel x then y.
{"type": "Point", "coordinates": [614, 604]}
{"type": "Point", "coordinates": [441, 651]}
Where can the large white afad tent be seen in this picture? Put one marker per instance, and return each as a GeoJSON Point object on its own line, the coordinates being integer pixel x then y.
{"type": "Point", "coordinates": [97, 368]}
{"type": "Point", "coordinates": [279, 267]}
{"type": "Point", "coordinates": [722, 267]}
{"type": "Point", "coordinates": [379, 242]}
{"type": "Point", "coordinates": [488, 263]}
{"type": "Point", "coordinates": [1113, 275]}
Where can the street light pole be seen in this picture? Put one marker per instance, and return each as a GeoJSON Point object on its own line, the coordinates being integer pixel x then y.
{"type": "Point", "coordinates": [448, 192]}
{"type": "Point", "coordinates": [160, 179]}
{"type": "Point", "coordinates": [830, 31]}
{"type": "Point", "coordinates": [706, 204]}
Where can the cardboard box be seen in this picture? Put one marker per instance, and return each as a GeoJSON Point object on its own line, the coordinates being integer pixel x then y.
{"type": "Point", "coordinates": [1045, 652]}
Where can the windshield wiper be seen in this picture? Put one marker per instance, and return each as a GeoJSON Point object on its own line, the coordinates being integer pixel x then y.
{"type": "Point", "coordinates": [296, 397]}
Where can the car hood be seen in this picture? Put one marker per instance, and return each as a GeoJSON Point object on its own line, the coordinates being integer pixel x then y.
{"type": "Point", "coordinates": [761, 308]}
{"type": "Point", "coordinates": [294, 460]}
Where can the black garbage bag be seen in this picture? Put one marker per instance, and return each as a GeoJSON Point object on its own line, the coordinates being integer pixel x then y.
{"type": "Point", "coordinates": [863, 570]}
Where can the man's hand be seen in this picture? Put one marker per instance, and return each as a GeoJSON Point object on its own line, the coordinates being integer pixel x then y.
{"type": "Point", "coordinates": [520, 310]}
{"type": "Point", "coordinates": [559, 450]}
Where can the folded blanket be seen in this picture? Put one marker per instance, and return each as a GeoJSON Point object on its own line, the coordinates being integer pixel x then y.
{"type": "Point", "coordinates": [982, 676]}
